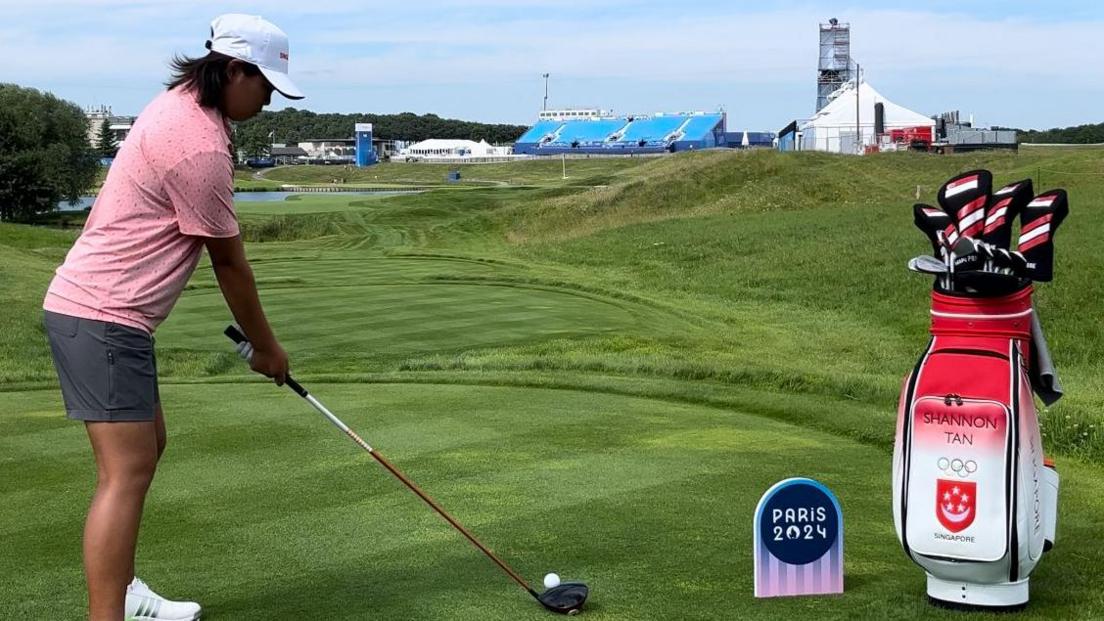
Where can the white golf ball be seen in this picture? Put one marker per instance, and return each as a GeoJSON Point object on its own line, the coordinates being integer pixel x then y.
{"type": "Point", "coordinates": [551, 580]}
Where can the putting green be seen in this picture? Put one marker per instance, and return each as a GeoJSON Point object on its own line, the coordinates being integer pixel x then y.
{"type": "Point", "coordinates": [262, 510]}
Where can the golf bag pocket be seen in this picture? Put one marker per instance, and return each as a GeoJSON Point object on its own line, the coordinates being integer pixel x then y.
{"type": "Point", "coordinates": [958, 477]}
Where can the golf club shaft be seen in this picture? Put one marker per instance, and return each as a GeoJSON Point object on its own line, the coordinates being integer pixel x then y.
{"type": "Point", "coordinates": [417, 490]}
{"type": "Point", "coordinates": [234, 334]}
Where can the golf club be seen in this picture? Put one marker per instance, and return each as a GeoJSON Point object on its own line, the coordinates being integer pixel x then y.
{"type": "Point", "coordinates": [963, 198]}
{"type": "Point", "coordinates": [566, 598]}
{"type": "Point", "coordinates": [926, 264]}
{"type": "Point", "coordinates": [1001, 260]}
{"type": "Point", "coordinates": [973, 259]}
{"type": "Point", "coordinates": [936, 225]}
{"type": "Point", "coordinates": [968, 257]}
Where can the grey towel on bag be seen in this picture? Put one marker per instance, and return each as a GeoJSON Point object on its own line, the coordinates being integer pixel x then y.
{"type": "Point", "coordinates": [1044, 377]}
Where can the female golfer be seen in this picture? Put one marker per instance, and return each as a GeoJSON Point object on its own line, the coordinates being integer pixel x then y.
{"type": "Point", "coordinates": [169, 194]}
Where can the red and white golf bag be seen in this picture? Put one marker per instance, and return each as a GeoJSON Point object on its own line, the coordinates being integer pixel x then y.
{"type": "Point", "coordinates": [974, 501]}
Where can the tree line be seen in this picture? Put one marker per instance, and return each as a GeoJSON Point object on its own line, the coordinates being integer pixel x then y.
{"type": "Point", "coordinates": [1080, 134]}
{"type": "Point", "coordinates": [290, 126]}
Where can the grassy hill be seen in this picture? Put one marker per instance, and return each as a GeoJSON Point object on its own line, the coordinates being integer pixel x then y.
{"type": "Point", "coordinates": [599, 374]}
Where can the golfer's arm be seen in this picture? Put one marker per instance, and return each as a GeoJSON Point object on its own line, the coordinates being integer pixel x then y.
{"type": "Point", "coordinates": [235, 278]}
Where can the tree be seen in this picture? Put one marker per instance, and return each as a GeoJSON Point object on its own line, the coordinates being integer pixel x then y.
{"type": "Point", "coordinates": [293, 125]}
{"type": "Point", "coordinates": [253, 145]}
{"type": "Point", "coordinates": [1081, 134]}
{"type": "Point", "coordinates": [105, 139]}
{"type": "Point", "coordinates": [44, 152]}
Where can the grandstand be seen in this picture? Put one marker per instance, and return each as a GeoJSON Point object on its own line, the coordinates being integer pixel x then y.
{"type": "Point", "coordinates": [624, 135]}
{"type": "Point", "coordinates": [586, 132]}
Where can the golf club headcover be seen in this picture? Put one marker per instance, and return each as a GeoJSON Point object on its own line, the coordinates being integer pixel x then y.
{"type": "Point", "coordinates": [1005, 204]}
{"type": "Point", "coordinates": [964, 198]}
{"type": "Point", "coordinates": [931, 222]}
{"type": "Point", "coordinates": [1039, 221]}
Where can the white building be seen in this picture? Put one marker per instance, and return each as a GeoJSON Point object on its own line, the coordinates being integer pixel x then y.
{"type": "Point", "coordinates": [836, 127]}
{"type": "Point", "coordinates": [119, 125]}
{"type": "Point", "coordinates": [437, 148]}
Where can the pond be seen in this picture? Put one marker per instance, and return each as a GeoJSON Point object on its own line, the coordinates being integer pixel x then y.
{"type": "Point", "coordinates": [86, 202]}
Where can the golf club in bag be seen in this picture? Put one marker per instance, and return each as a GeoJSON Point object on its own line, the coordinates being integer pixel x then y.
{"type": "Point", "coordinates": [566, 598]}
{"type": "Point", "coordinates": [974, 500]}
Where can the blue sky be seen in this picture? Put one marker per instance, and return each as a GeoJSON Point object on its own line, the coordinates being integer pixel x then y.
{"type": "Point", "coordinates": [1026, 64]}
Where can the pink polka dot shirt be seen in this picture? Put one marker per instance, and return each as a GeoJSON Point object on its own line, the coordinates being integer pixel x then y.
{"type": "Point", "coordinates": [171, 185]}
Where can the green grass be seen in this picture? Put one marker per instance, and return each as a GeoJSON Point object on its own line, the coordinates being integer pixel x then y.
{"type": "Point", "coordinates": [532, 172]}
{"type": "Point", "coordinates": [268, 513]}
{"type": "Point", "coordinates": [299, 204]}
{"type": "Point", "coordinates": [670, 336]}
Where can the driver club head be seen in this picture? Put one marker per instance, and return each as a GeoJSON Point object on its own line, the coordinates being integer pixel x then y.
{"type": "Point", "coordinates": [566, 598]}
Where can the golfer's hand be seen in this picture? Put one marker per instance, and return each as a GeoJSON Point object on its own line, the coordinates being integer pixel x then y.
{"type": "Point", "coordinates": [270, 362]}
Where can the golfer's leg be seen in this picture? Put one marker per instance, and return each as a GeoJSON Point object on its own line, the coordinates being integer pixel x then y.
{"type": "Point", "coordinates": [126, 458]}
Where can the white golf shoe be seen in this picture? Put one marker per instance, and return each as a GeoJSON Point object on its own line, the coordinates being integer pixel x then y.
{"type": "Point", "coordinates": [142, 604]}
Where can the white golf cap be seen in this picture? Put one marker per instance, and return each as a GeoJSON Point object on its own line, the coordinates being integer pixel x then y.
{"type": "Point", "coordinates": [256, 41]}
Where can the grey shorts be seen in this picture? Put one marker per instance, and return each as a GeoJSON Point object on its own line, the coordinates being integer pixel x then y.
{"type": "Point", "coordinates": [107, 371]}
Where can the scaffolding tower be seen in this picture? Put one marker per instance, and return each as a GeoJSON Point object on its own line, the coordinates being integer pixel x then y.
{"type": "Point", "coordinates": [834, 69]}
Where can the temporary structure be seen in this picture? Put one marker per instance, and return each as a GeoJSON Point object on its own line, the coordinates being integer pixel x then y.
{"type": "Point", "coordinates": [834, 129]}
{"type": "Point", "coordinates": [442, 148]}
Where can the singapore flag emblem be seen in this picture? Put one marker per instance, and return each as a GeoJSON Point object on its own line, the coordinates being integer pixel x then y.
{"type": "Point", "coordinates": [955, 502]}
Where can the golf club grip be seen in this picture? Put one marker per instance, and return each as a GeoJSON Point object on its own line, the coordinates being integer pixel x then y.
{"type": "Point", "coordinates": [234, 334]}
{"type": "Point", "coordinates": [296, 386]}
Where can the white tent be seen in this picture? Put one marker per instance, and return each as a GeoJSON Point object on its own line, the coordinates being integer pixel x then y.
{"type": "Point", "coordinates": [833, 128]}
{"type": "Point", "coordinates": [441, 148]}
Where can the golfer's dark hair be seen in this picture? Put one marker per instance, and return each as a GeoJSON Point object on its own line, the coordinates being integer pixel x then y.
{"type": "Point", "coordinates": [207, 75]}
